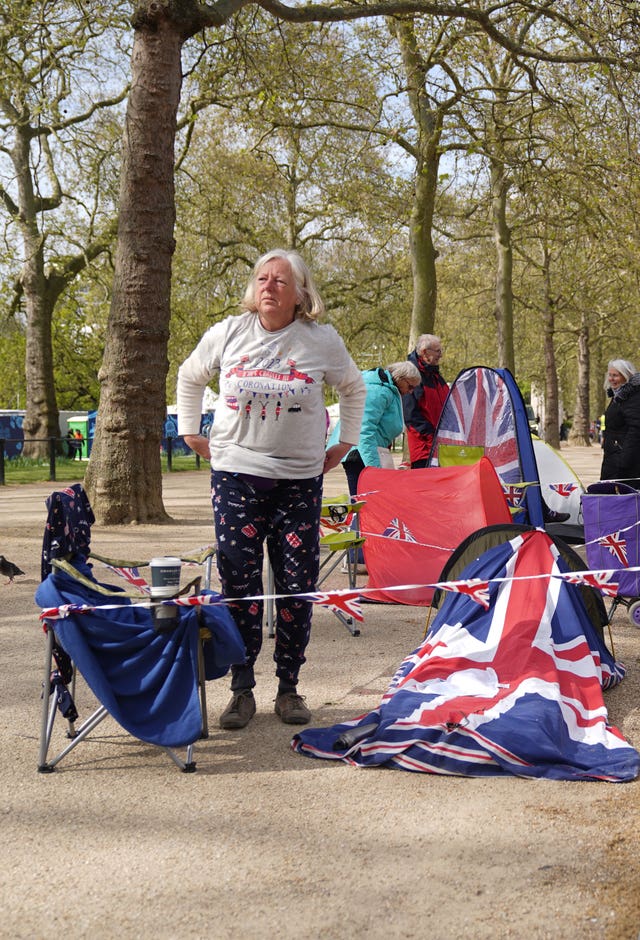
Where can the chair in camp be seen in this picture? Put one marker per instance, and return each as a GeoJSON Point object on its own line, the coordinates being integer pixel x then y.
{"type": "Point", "coordinates": [147, 673]}
{"type": "Point", "coordinates": [340, 542]}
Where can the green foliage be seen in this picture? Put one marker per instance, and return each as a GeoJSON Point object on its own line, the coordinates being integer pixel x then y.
{"type": "Point", "coordinates": [288, 163]}
{"type": "Point", "coordinates": [12, 380]}
{"type": "Point", "coordinates": [308, 142]}
{"type": "Point", "coordinates": [78, 344]}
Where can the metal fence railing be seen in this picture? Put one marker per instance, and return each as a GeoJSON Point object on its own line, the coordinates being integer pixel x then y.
{"type": "Point", "coordinates": [53, 442]}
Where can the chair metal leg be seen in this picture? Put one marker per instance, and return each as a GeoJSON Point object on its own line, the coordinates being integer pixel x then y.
{"type": "Point", "coordinates": [202, 682]}
{"type": "Point", "coordinates": [81, 733]}
{"type": "Point", "coordinates": [270, 604]}
{"type": "Point", "coordinates": [77, 735]}
{"type": "Point", "coordinates": [187, 766]}
{"type": "Point", "coordinates": [46, 721]}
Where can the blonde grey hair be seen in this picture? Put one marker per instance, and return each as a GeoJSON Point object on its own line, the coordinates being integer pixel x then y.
{"type": "Point", "coordinates": [623, 366]}
{"type": "Point", "coordinates": [404, 370]}
{"type": "Point", "coordinates": [424, 341]}
{"type": "Point", "coordinates": [309, 306]}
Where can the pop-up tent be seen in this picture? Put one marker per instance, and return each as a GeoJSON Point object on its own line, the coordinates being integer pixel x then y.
{"type": "Point", "coordinates": [413, 520]}
{"type": "Point", "coordinates": [560, 486]}
{"type": "Point", "coordinates": [508, 684]}
{"type": "Point", "coordinates": [485, 411]}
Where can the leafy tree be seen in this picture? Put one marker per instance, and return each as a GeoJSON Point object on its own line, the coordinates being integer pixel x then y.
{"type": "Point", "coordinates": [123, 477]}
{"type": "Point", "coordinates": [324, 189]}
{"type": "Point", "coordinates": [56, 142]}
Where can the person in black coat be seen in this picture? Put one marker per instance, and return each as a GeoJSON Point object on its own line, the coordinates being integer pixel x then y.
{"type": "Point", "coordinates": [621, 438]}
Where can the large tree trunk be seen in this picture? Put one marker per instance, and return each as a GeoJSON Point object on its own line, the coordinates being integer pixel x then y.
{"type": "Point", "coordinates": [41, 418]}
{"type": "Point", "coordinates": [551, 431]}
{"type": "Point", "coordinates": [423, 251]}
{"type": "Point", "coordinates": [503, 309]}
{"type": "Point", "coordinates": [579, 433]}
{"type": "Point", "coordinates": [428, 120]}
{"type": "Point", "coordinates": [124, 479]}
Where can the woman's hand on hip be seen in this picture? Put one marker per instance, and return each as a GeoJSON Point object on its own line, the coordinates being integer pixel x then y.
{"type": "Point", "coordinates": [198, 443]}
{"type": "Point", "coordinates": [335, 454]}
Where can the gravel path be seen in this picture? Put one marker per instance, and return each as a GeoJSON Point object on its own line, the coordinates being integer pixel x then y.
{"type": "Point", "coordinates": [261, 842]}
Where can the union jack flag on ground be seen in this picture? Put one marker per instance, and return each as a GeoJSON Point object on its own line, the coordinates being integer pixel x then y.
{"type": "Point", "coordinates": [514, 689]}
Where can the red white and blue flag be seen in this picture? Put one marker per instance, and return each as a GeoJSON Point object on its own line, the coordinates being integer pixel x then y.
{"type": "Point", "coordinates": [397, 529]}
{"type": "Point", "coordinates": [602, 580]}
{"type": "Point", "coordinates": [513, 493]}
{"type": "Point", "coordinates": [346, 602]}
{"type": "Point", "coordinates": [563, 489]}
{"type": "Point", "coordinates": [617, 545]}
{"type": "Point", "coordinates": [132, 576]}
{"type": "Point", "coordinates": [475, 588]}
{"type": "Point", "coordinates": [479, 411]}
{"type": "Point", "coordinates": [512, 689]}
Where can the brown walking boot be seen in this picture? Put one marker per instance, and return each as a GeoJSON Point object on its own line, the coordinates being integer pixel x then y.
{"type": "Point", "coordinates": [239, 711]}
{"type": "Point", "coordinates": [291, 709]}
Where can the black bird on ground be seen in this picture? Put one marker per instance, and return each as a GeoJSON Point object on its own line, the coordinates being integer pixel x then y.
{"type": "Point", "coordinates": [7, 567]}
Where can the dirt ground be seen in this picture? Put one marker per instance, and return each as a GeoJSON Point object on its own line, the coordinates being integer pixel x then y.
{"type": "Point", "coordinates": [261, 842]}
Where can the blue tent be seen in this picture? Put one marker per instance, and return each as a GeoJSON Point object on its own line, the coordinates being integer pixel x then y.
{"type": "Point", "coordinates": [485, 414]}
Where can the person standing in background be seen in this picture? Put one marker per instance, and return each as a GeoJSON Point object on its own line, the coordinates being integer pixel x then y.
{"type": "Point", "coordinates": [423, 406]}
{"type": "Point", "coordinates": [621, 437]}
{"type": "Point", "coordinates": [383, 419]}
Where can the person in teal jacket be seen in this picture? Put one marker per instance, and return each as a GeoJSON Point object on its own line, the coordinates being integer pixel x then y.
{"type": "Point", "coordinates": [382, 421]}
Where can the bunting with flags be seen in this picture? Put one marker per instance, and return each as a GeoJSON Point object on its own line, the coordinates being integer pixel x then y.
{"type": "Point", "coordinates": [612, 536]}
{"type": "Point", "coordinates": [617, 545]}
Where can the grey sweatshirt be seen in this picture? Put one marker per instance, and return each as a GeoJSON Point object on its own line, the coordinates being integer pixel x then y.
{"type": "Point", "coordinates": [270, 418]}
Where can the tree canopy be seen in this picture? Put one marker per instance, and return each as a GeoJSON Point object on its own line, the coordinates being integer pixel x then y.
{"type": "Point", "coordinates": [498, 143]}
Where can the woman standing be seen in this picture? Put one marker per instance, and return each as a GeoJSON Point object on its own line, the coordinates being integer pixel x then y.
{"type": "Point", "coordinates": [621, 438]}
{"type": "Point", "coordinates": [267, 453]}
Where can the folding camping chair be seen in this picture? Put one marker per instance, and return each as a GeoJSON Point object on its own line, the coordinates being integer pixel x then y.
{"type": "Point", "coordinates": [340, 542]}
{"type": "Point", "coordinates": [148, 674]}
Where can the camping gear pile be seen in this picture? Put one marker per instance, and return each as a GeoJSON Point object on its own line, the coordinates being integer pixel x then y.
{"type": "Point", "coordinates": [509, 678]}
{"type": "Point", "coordinates": [512, 686]}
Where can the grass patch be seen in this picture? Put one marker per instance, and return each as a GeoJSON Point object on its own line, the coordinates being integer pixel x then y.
{"type": "Point", "coordinates": [28, 470]}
